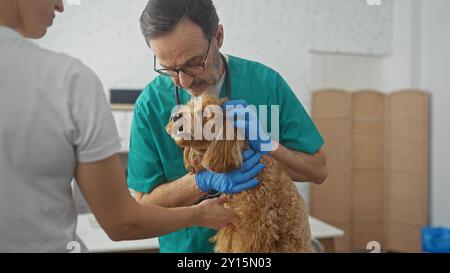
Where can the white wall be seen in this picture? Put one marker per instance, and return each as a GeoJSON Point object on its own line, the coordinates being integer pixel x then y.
{"type": "Point", "coordinates": [385, 73]}
{"type": "Point", "coordinates": [435, 77]}
{"type": "Point", "coordinates": [105, 34]}
{"type": "Point", "coordinates": [420, 58]}
{"type": "Point", "coordinates": [399, 69]}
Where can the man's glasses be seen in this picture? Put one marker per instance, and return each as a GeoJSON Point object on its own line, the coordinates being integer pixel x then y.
{"type": "Point", "coordinates": [191, 70]}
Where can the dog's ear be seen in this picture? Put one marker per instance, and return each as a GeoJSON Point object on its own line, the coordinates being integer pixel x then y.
{"type": "Point", "coordinates": [223, 156]}
{"type": "Point", "coordinates": [192, 160]}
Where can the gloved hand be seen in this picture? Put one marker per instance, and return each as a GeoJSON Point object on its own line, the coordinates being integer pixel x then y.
{"type": "Point", "coordinates": [232, 182]}
{"type": "Point", "coordinates": [246, 118]}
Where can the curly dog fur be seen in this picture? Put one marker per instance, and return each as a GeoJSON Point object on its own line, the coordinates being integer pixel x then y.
{"type": "Point", "coordinates": [272, 215]}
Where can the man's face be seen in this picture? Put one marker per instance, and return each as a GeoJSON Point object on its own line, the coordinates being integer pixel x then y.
{"type": "Point", "coordinates": [35, 16]}
{"type": "Point", "coordinates": [187, 46]}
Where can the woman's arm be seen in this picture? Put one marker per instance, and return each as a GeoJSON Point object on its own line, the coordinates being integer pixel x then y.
{"type": "Point", "coordinates": [105, 190]}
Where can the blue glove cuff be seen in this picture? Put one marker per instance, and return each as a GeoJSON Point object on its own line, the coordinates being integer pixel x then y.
{"type": "Point", "coordinates": [200, 185]}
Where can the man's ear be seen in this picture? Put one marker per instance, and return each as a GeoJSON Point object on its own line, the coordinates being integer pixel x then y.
{"type": "Point", "coordinates": [192, 160]}
{"type": "Point", "coordinates": [220, 36]}
{"type": "Point", "coordinates": [223, 156]}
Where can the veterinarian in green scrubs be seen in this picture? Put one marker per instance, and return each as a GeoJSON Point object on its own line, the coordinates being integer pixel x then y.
{"type": "Point", "coordinates": [186, 40]}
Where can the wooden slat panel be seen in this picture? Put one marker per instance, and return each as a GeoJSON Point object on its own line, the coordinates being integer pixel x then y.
{"type": "Point", "coordinates": [407, 131]}
{"type": "Point", "coordinates": [331, 201]}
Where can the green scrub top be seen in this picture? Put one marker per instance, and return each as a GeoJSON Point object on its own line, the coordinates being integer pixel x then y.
{"type": "Point", "coordinates": [155, 159]}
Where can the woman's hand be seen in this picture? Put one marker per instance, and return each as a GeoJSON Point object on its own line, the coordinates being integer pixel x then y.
{"type": "Point", "coordinates": [214, 215]}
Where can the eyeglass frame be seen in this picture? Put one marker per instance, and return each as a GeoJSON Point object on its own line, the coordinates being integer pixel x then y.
{"type": "Point", "coordinates": [178, 70]}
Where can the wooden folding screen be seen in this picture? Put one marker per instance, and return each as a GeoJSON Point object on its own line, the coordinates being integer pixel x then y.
{"type": "Point", "coordinates": [377, 148]}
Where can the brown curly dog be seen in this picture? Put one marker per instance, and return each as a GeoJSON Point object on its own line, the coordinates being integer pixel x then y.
{"type": "Point", "coordinates": [272, 215]}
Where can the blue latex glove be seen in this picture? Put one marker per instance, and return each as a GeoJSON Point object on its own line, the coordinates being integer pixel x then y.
{"type": "Point", "coordinates": [246, 118]}
{"type": "Point", "coordinates": [232, 182]}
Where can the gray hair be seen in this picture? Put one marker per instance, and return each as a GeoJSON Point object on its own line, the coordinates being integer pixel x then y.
{"type": "Point", "coordinates": [160, 17]}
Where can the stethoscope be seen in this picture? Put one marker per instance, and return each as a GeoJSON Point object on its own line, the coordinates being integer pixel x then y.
{"type": "Point", "coordinates": [227, 82]}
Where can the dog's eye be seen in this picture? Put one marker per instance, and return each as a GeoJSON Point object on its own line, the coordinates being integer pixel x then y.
{"type": "Point", "coordinates": [176, 116]}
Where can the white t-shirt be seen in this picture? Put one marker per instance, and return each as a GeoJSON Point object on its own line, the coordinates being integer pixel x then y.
{"type": "Point", "coordinates": [53, 114]}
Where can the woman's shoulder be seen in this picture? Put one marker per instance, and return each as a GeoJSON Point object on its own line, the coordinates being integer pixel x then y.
{"type": "Point", "coordinates": [46, 60]}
